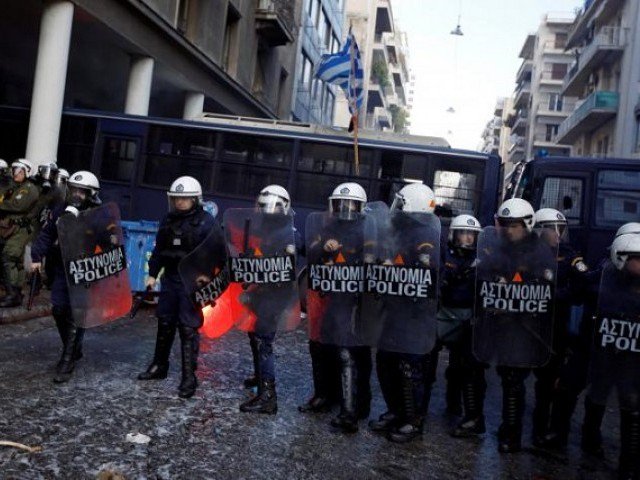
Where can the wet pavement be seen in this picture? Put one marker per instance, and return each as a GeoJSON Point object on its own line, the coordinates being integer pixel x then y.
{"type": "Point", "coordinates": [82, 425]}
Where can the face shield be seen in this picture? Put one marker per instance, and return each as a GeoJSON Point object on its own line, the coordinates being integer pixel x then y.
{"type": "Point", "coordinates": [511, 229]}
{"type": "Point", "coordinates": [46, 173]}
{"type": "Point", "coordinates": [78, 197]}
{"type": "Point", "coordinates": [560, 229]}
{"type": "Point", "coordinates": [19, 173]}
{"type": "Point", "coordinates": [346, 209]}
{"type": "Point", "coordinates": [271, 204]}
{"type": "Point", "coordinates": [398, 203]}
{"type": "Point", "coordinates": [181, 204]}
{"type": "Point", "coordinates": [464, 238]}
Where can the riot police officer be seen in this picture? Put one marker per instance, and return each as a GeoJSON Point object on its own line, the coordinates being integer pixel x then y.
{"type": "Point", "coordinates": [521, 253]}
{"type": "Point", "coordinates": [414, 235]}
{"type": "Point", "coordinates": [48, 194]}
{"type": "Point", "coordinates": [83, 194]}
{"type": "Point", "coordinates": [16, 203]}
{"type": "Point", "coordinates": [551, 412]}
{"type": "Point", "coordinates": [181, 231]}
{"type": "Point", "coordinates": [336, 241]}
{"type": "Point", "coordinates": [273, 201]}
{"type": "Point", "coordinates": [457, 294]}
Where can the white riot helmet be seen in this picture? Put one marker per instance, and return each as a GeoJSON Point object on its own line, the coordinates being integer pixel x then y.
{"type": "Point", "coordinates": [552, 219]}
{"type": "Point", "coordinates": [83, 190]}
{"type": "Point", "coordinates": [24, 164]}
{"type": "Point", "coordinates": [185, 187]}
{"type": "Point", "coordinates": [274, 199]}
{"type": "Point", "coordinates": [623, 247]}
{"type": "Point", "coordinates": [516, 210]}
{"type": "Point", "coordinates": [627, 228]}
{"type": "Point", "coordinates": [347, 200]}
{"type": "Point", "coordinates": [464, 223]}
{"type": "Point", "coordinates": [3, 165]}
{"type": "Point", "coordinates": [415, 197]}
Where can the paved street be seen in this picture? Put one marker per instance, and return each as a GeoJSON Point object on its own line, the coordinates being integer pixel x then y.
{"type": "Point", "coordinates": [82, 425]}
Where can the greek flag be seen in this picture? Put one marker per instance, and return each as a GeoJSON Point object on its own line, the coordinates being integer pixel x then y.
{"type": "Point", "coordinates": [345, 69]}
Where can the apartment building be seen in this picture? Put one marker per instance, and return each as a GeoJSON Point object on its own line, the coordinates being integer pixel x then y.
{"type": "Point", "coordinates": [496, 134]}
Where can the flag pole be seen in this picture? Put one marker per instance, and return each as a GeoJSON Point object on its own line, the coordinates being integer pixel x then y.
{"type": "Point", "coordinates": [354, 101]}
{"type": "Point", "coordinates": [355, 143]}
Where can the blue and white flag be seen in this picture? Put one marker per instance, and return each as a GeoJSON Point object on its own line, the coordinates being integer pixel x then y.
{"type": "Point", "coordinates": [345, 69]}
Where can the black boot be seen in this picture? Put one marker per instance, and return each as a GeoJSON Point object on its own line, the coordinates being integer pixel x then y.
{"type": "Point", "coordinates": [266, 401]}
{"type": "Point", "coordinates": [321, 365]}
{"type": "Point", "coordinates": [347, 419]}
{"type": "Point", "coordinates": [66, 364]}
{"type": "Point", "coordinates": [591, 437]}
{"type": "Point", "coordinates": [411, 420]}
{"type": "Point", "coordinates": [454, 386]}
{"type": "Point", "coordinates": [562, 407]}
{"type": "Point", "coordinates": [160, 365]}
{"type": "Point", "coordinates": [545, 378]}
{"type": "Point", "coordinates": [510, 431]}
{"type": "Point", "coordinates": [386, 369]}
{"type": "Point", "coordinates": [252, 381]}
{"type": "Point", "coordinates": [472, 423]}
{"type": "Point", "coordinates": [13, 298]}
{"type": "Point", "coordinates": [189, 340]}
{"type": "Point", "coordinates": [629, 466]}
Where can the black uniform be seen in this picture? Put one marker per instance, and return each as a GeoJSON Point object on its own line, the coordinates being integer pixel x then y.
{"type": "Point", "coordinates": [179, 234]}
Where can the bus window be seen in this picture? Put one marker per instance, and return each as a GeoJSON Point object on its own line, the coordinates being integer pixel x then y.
{"type": "Point", "coordinates": [161, 170]}
{"type": "Point", "coordinates": [333, 159]}
{"type": "Point", "coordinates": [564, 194]}
{"type": "Point", "coordinates": [181, 141]}
{"type": "Point", "coordinates": [617, 197]}
{"type": "Point", "coordinates": [77, 138]}
{"type": "Point", "coordinates": [246, 180]}
{"type": "Point", "coordinates": [118, 159]}
{"type": "Point", "coordinates": [256, 150]}
{"type": "Point", "coordinates": [395, 165]}
{"type": "Point", "coordinates": [456, 192]}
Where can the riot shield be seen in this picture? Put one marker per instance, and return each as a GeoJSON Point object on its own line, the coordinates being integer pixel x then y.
{"type": "Point", "coordinates": [95, 265]}
{"type": "Point", "coordinates": [262, 270]}
{"type": "Point", "coordinates": [615, 357]}
{"type": "Point", "coordinates": [335, 262]}
{"type": "Point", "coordinates": [405, 279]}
{"type": "Point", "coordinates": [205, 277]}
{"type": "Point", "coordinates": [515, 294]}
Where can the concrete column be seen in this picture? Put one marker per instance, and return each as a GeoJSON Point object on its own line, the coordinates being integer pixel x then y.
{"type": "Point", "coordinates": [139, 88]}
{"type": "Point", "coordinates": [49, 81]}
{"type": "Point", "coordinates": [193, 105]}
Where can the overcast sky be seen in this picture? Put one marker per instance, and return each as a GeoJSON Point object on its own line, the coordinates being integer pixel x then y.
{"type": "Point", "coordinates": [467, 73]}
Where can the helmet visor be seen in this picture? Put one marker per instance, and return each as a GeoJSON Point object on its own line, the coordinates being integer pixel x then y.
{"type": "Point", "coordinates": [271, 204]}
{"type": "Point", "coordinates": [346, 209]}
{"type": "Point", "coordinates": [464, 238]}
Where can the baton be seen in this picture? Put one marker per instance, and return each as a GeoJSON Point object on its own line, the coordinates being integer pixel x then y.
{"type": "Point", "coordinates": [35, 284]}
{"type": "Point", "coordinates": [140, 298]}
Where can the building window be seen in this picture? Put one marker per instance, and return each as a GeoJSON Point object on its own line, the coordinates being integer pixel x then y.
{"type": "Point", "coordinates": [307, 71]}
{"type": "Point", "coordinates": [551, 132]}
{"type": "Point", "coordinates": [560, 41]}
{"type": "Point", "coordinates": [555, 102]}
{"type": "Point", "coordinates": [558, 71]}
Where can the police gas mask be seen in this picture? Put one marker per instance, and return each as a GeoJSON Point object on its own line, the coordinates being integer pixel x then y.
{"type": "Point", "coordinates": [46, 173]}
{"type": "Point", "coordinates": [346, 209]}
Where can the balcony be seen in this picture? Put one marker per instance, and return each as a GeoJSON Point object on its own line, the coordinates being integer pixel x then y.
{"type": "Point", "coordinates": [549, 77]}
{"type": "Point", "coordinates": [499, 108]}
{"type": "Point", "coordinates": [554, 109]}
{"type": "Point", "coordinates": [593, 11]}
{"type": "Point", "coordinates": [606, 47]}
{"type": "Point", "coordinates": [594, 111]}
{"type": "Point", "coordinates": [516, 150]}
{"type": "Point", "coordinates": [525, 68]}
{"type": "Point", "coordinates": [522, 94]}
{"type": "Point", "coordinates": [275, 21]}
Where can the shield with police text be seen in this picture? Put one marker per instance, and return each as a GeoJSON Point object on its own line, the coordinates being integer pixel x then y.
{"type": "Point", "coordinates": [515, 292]}
{"type": "Point", "coordinates": [404, 277]}
{"type": "Point", "coordinates": [262, 263]}
{"type": "Point", "coordinates": [95, 265]}
{"type": "Point", "coordinates": [615, 357]}
{"type": "Point", "coordinates": [336, 253]}
{"type": "Point", "coordinates": [206, 278]}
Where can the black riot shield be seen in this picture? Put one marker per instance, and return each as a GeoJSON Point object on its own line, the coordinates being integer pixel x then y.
{"type": "Point", "coordinates": [262, 270]}
{"type": "Point", "coordinates": [336, 253]}
{"type": "Point", "coordinates": [615, 358]}
{"type": "Point", "coordinates": [405, 279]}
{"type": "Point", "coordinates": [95, 265]}
{"type": "Point", "coordinates": [515, 292]}
{"type": "Point", "coordinates": [206, 278]}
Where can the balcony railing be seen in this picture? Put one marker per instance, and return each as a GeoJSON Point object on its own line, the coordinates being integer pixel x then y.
{"type": "Point", "coordinates": [275, 21]}
{"type": "Point", "coordinates": [604, 43]}
{"type": "Point", "coordinates": [602, 101]}
{"type": "Point", "coordinates": [525, 67]}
